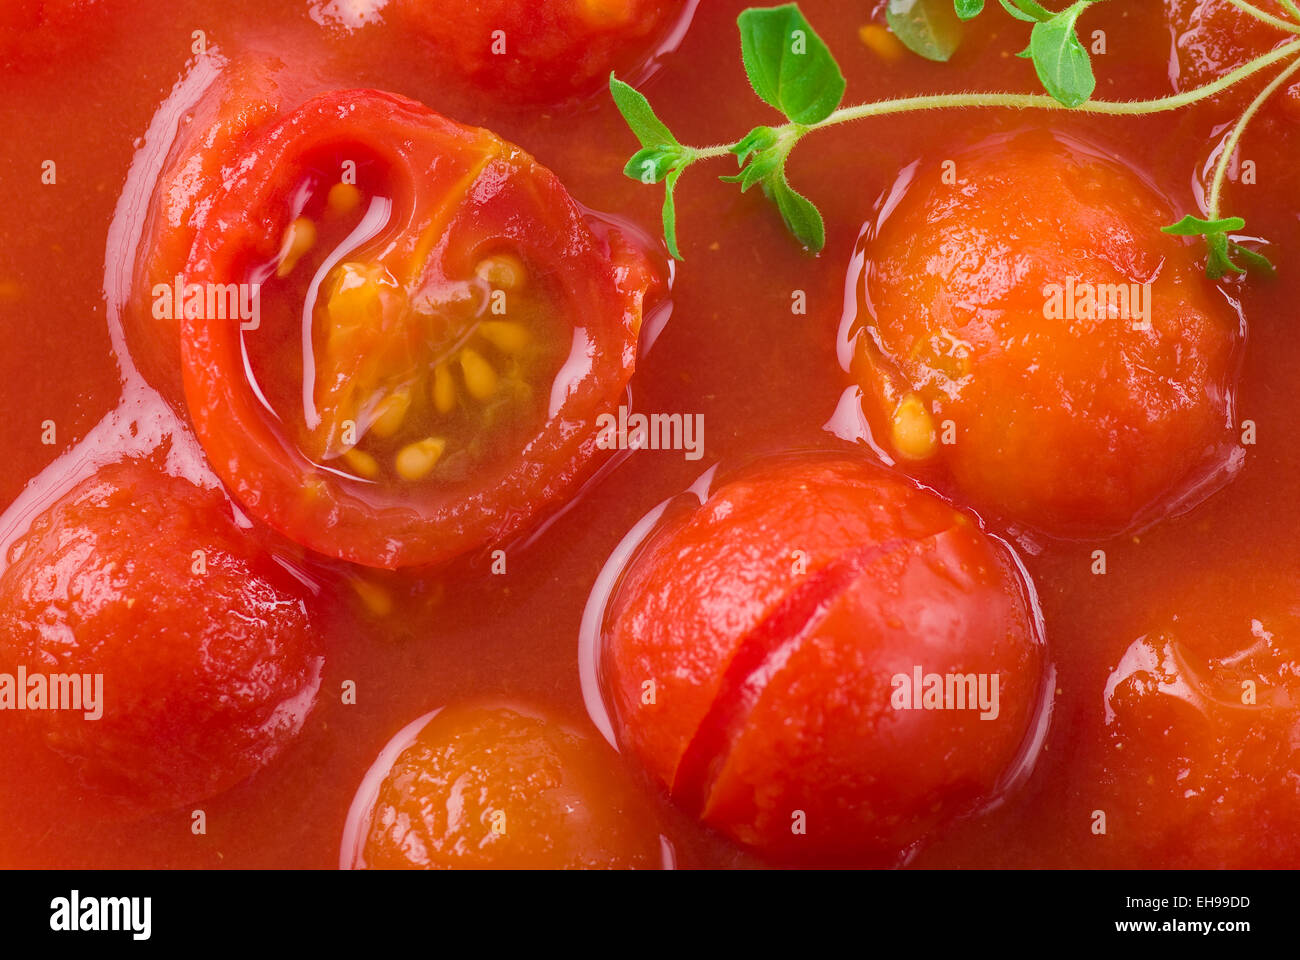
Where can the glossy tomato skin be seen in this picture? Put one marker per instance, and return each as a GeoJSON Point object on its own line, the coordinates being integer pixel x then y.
{"type": "Point", "coordinates": [546, 51]}
{"type": "Point", "coordinates": [772, 623]}
{"type": "Point", "coordinates": [1213, 37]}
{"type": "Point", "coordinates": [981, 336]}
{"type": "Point", "coordinates": [208, 658]}
{"type": "Point", "coordinates": [1198, 742]}
{"type": "Point", "coordinates": [209, 141]}
{"type": "Point", "coordinates": [505, 786]}
{"type": "Point", "coordinates": [478, 191]}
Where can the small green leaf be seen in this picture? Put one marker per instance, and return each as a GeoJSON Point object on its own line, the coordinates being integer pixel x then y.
{"type": "Point", "coordinates": [1255, 261]}
{"type": "Point", "coordinates": [801, 217]}
{"type": "Point", "coordinates": [757, 140]}
{"type": "Point", "coordinates": [968, 9]}
{"type": "Point", "coordinates": [1021, 14]}
{"type": "Point", "coordinates": [929, 28]}
{"type": "Point", "coordinates": [1060, 59]}
{"type": "Point", "coordinates": [788, 65]}
{"type": "Point", "coordinates": [670, 214]}
{"type": "Point", "coordinates": [1191, 226]}
{"type": "Point", "coordinates": [639, 115]}
{"type": "Point", "coordinates": [764, 166]}
{"type": "Point", "coordinates": [652, 164]}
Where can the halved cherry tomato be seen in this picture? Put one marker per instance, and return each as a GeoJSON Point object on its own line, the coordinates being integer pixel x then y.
{"type": "Point", "coordinates": [545, 50]}
{"type": "Point", "coordinates": [507, 787]}
{"type": "Point", "coordinates": [206, 658]}
{"type": "Point", "coordinates": [1034, 343]}
{"type": "Point", "coordinates": [755, 651]}
{"type": "Point", "coordinates": [439, 326]}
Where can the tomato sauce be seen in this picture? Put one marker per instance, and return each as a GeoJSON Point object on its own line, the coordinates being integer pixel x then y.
{"type": "Point", "coordinates": [765, 379]}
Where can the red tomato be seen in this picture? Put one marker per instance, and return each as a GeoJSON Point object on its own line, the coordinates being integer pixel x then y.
{"type": "Point", "coordinates": [1214, 37]}
{"type": "Point", "coordinates": [1200, 745]}
{"type": "Point", "coordinates": [1012, 353]}
{"type": "Point", "coordinates": [247, 95]}
{"type": "Point", "coordinates": [439, 329]}
{"type": "Point", "coordinates": [546, 50]}
{"type": "Point", "coordinates": [756, 649]}
{"type": "Point", "coordinates": [504, 786]}
{"type": "Point", "coordinates": [208, 661]}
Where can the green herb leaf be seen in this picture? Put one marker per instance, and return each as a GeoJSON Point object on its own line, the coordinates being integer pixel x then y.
{"type": "Point", "coordinates": [653, 164]}
{"type": "Point", "coordinates": [1221, 249]}
{"type": "Point", "coordinates": [801, 217]}
{"type": "Point", "coordinates": [968, 9]}
{"type": "Point", "coordinates": [1191, 226]}
{"type": "Point", "coordinates": [670, 214]}
{"type": "Point", "coordinates": [1060, 59]}
{"type": "Point", "coordinates": [757, 140]}
{"type": "Point", "coordinates": [929, 28]}
{"type": "Point", "coordinates": [1255, 261]}
{"type": "Point", "coordinates": [639, 115]}
{"type": "Point", "coordinates": [788, 65]}
{"type": "Point", "coordinates": [1026, 10]}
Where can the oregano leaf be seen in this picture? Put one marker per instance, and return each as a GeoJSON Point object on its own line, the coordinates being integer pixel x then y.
{"type": "Point", "coordinates": [929, 28]}
{"type": "Point", "coordinates": [1061, 61]}
{"type": "Point", "coordinates": [639, 115]}
{"type": "Point", "coordinates": [788, 65]}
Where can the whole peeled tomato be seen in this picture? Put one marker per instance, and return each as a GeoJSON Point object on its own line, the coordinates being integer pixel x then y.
{"type": "Point", "coordinates": [1034, 344]}
{"type": "Point", "coordinates": [398, 333]}
{"type": "Point", "coordinates": [200, 646]}
{"type": "Point", "coordinates": [1200, 739]}
{"type": "Point", "coordinates": [763, 651]}
{"type": "Point", "coordinates": [546, 51]}
{"type": "Point", "coordinates": [495, 785]}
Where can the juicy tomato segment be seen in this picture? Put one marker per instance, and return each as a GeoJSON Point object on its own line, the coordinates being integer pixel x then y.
{"type": "Point", "coordinates": [439, 330]}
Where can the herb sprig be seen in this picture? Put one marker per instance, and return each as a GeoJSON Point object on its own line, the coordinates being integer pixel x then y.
{"type": "Point", "coordinates": [791, 69]}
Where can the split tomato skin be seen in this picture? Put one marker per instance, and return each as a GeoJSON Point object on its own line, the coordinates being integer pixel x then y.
{"type": "Point", "coordinates": [992, 371]}
{"type": "Point", "coordinates": [769, 626]}
{"type": "Point", "coordinates": [505, 786]}
{"type": "Point", "coordinates": [208, 656]}
{"type": "Point", "coordinates": [547, 51]}
{"type": "Point", "coordinates": [476, 193]}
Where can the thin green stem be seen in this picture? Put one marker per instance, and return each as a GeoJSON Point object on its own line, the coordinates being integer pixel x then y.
{"type": "Point", "coordinates": [1268, 18]}
{"type": "Point", "coordinates": [1234, 138]}
{"type": "Point", "coordinates": [1291, 8]}
{"type": "Point", "coordinates": [1032, 101]}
